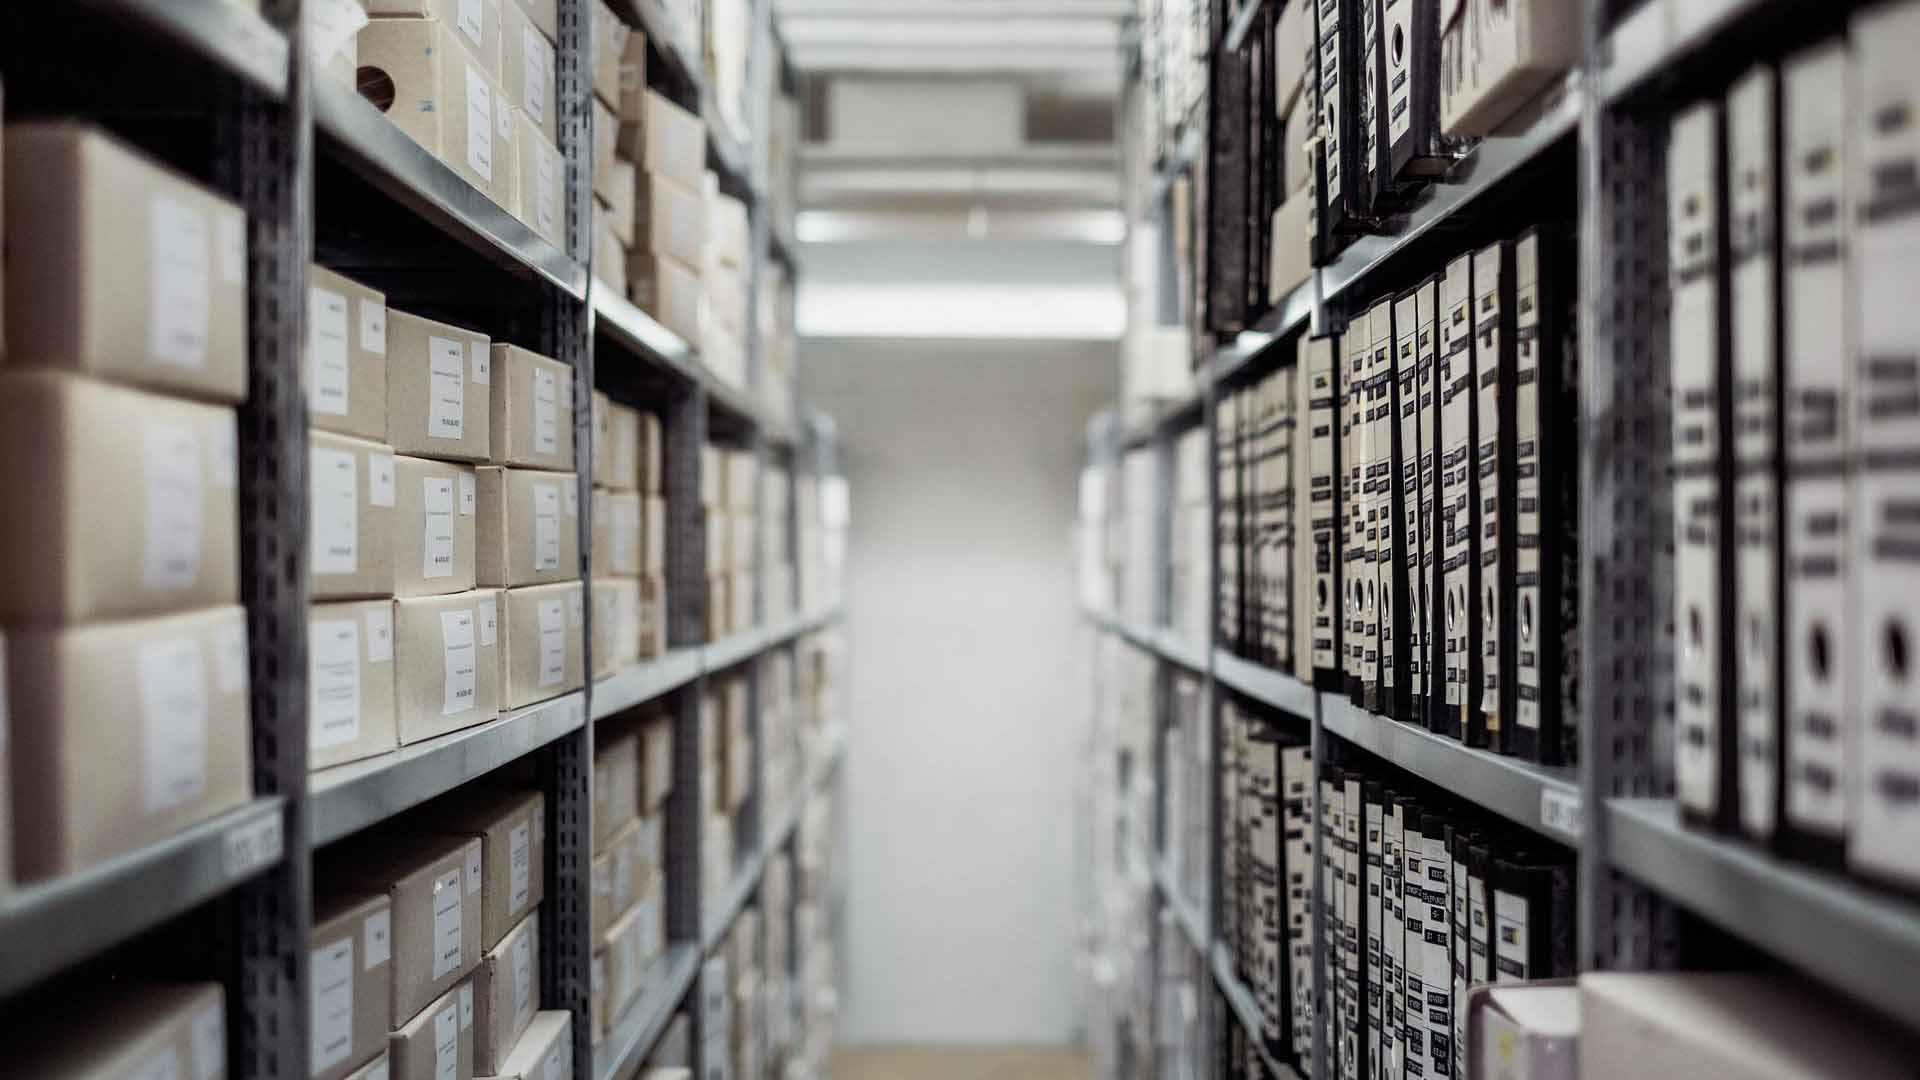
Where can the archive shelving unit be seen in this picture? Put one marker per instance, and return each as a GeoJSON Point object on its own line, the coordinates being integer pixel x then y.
{"type": "Point", "coordinates": [1598, 134]}
{"type": "Point", "coordinates": [226, 95]}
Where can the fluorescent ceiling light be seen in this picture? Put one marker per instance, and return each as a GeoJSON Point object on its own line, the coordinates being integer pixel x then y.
{"type": "Point", "coordinates": [962, 310]}
{"type": "Point", "coordinates": [982, 223]}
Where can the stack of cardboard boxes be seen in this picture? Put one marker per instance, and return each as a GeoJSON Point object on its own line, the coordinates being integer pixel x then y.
{"type": "Point", "coordinates": [472, 81]}
{"type": "Point", "coordinates": [776, 541]}
{"type": "Point", "coordinates": [744, 1035]}
{"type": "Point", "coordinates": [629, 537]}
{"type": "Point", "coordinates": [779, 752]}
{"type": "Point", "coordinates": [779, 348]}
{"type": "Point", "coordinates": [776, 899]}
{"type": "Point", "coordinates": [724, 276]}
{"type": "Point", "coordinates": [425, 951]}
{"type": "Point", "coordinates": [728, 479]}
{"type": "Point", "coordinates": [171, 1030]}
{"type": "Point", "coordinates": [125, 648]}
{"type": "Point", "coordinates": [726, 775]}
{"type": "Point", "coordinates": [632, 775]}
{"type": "Point", "coordinates": [817, 705]}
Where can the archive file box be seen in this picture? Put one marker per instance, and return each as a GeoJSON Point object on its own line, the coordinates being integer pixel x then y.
{"type": "Point", "coordinates": [439, 389]}
{"type": "Point", "coordinates": [1356, 457]}
{"type": "Point", "coordinates": [1383, 628]}
{"type": "Point", "coordinates": [1324, 420]}
{"type": "Point", "coordinates": [1408, 332]}
{"type": "Point", "coordinates": [349, 982]}
{"type": "Point", "coordinates": [345, 373]}
{"type": "Point", "coordinates": [1493, 467]}
{"type": "Point", "coordinates": [1427, 599]}
{"type": "Point", "coordinates": [351, 517]}
{"type": "Point", "coordinates": [350, 682]}
{"type": "Point", "coordinates": [1459, 508]}
{"type": "Point", "coordinates": [432, 886]}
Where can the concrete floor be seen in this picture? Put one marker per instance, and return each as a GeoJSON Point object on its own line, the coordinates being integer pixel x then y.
{"type": "Point", "coordinates": [958, 1063]}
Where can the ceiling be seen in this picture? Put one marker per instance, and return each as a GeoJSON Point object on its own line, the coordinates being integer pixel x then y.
{"type": "Point", "coordinates": [1064, 45]}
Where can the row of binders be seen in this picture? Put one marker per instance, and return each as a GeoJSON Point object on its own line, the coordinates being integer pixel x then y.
{"type": "Point", "coordinates": [1419, 552]}
{"type": "Point", "coordinates": [1793, 209]}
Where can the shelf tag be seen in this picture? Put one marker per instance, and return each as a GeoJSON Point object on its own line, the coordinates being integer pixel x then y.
{"type": "Point", "coordinates": [1560, 811]}
{"type": "Point", "coordinates": [251, 846]}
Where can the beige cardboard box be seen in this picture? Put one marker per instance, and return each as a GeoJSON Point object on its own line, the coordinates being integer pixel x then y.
{"type": "Point", "coordinates": [617, 429]}
{"type": "Point", "coordinates": [719, 540]}
{"type": "Point", "coordinates": [656, 762]}
{"type": "Point", "coordinates": [651, 455]}
{"type": "Point", "coordinates": [616, 801]}
{"type": "Point", "coordinates": [728, 233]}
{"type": "Point", "coordinates": [345, 374]}
{"type": "Point", "coordinates": [349, 982]}
{"type": "Point", "coordinates": [527, 68]}
{"type": "Point", "coordinates": [653, 616]}
{"type": "Point", "coordinates": [448, 650]}
{"type": "Point", "coordinates": [740, 586]}
{"type": "Point", "coordinates": [124, 502]}
{"type": "Point", "coordinates": [650, 853]}
{"type": "Point", "coordinates": [435, 531]}
{"type": "Point", "coordinates": [743, 480]}
{"type": "Point", "coordinates": [432, 885]}
{"type": "Point", "coordinates": [120, 268]}
{"type": "Point", "coordinates": [530, 419]}
{"type": "Point", "coordinates": [608, 46]}
{"type": "Point", "coordinates": [631, 108]}
{"type": "Point", "coordinates": [444, 97]}
{"type": "Point", "coordinates": [134, 1030]}
{"type": "Point", "coordinates": [615, 880]}
{"type": "Point", "coordinates": [331, 29]}
{"type": "Point", "coordinates": [380, 1068]}
{"type": "Point", "coordinates": [511, 826]}
{"type": "Point", "coordinates": [350, 523]}
{"type": "Point", "coordinates": [541, 191]}
{"type": "Point", "coordinates": [668, 291]}
{"type": "Point", "coordinates": [438, 1042]}
{"type": "Point", "coordinates": [726, 300]}
{"type": "Point", "coordinates": [736, 773]}
{"type": "Point", "coordinates": [616, 624]}
{"type": "Point", "coordinates": [545, 15]}
{"type": "Point", "coordinates": [170, 693]}
{"type": "Point", "coordinates": [439, 389]}
{"type": "Point", "coordinates": [479, 24]}
{"type": "Point", "coordinates": [609, 257]}
{"type": "Point", "coordinates": [544, 1052]}
{"type": "Point", "coordinates": [669, 218]}
{"type": "Point", "coordinates": [741, 530]}
{"type": "Point", "coordinates": [544, 627]}
{"type": "Point", "coordinates": [667, 140]}
{"type": "Point", "coordinates": [618, 202]}
{"type": "Point", "coordinates": [349, 682]}
{"type": "Point", "coordinates": [529, 527]}
{"type": "Point", "coordinates": [506, 993]}
{"type": "Point", "coordinates": [719, 611]}
{"type": "Point", "coordinates": [606, 130]}
{"type": "Point", "coordinates": [713, 476]}
{"type": "Point", "coordinates": [1292, 253]}
{"type": "Point", "coordinates": [650, 918]}
{"type": "Point", "coordinates": [597, 997]}
{"type": "Point", "coordinates": [616, 534]}
{"type": "Point", "coordinates": [625, 964]}
{"type": "Point", "coordinates": [653, 535]}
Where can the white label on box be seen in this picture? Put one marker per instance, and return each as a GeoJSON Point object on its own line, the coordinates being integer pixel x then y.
{"type": "Point", "coordinates": [330, 1001]}
{"type": "Point", "coordinates": [466, 492]}
{"type": "Point", "coordinates": [466, 1005]}
{"type": "Point", "coordinates": [173, 706]}
{"type": "Point", "coordinates": [446, 923]}
{"type": "Point", "coordinates": [329, 382]}
{"type": "Point", "coordinates": [555, 1067]}
{"type": "Point", "coordinates": [553, 644]}
{"type": "Point", "coordinates": [229, 658]}
{"type": "Point", "coordinates": [163, 1065]}
{"type": "Point", "coordinates": [474, 880]}
{"type": "Point", "coordinates": [179, 264]}
{"type": "Point", "coordinates": [481, 362]}
{"type": "Point", "coordinates": [479, 124]}
{"type": "Point", "coordinates": [519, 859]}
{"type": "Point", "coordinates": [336, 511]}
{"type": "Point", "coordinates": [172, 555]}
{"type": "Point", "coordinates": [523, 975]}
{"type": "Point", "coordinates": [437, 560]}
{"type": "Point", "coordinates": [546, 412]}
{"type": "Point", "coordinates": [546, 526]}
{"type": "Point", "coordinates": [576, 608]}
{"type": "Point", "coordinates": [380, 633]}
{"type": "Point", "coordinates": [535, 71]}
{"type": "Point", "coordinates": [458, 663]}
{"type": "Point", "coordinates": [373, 326]}
{"type": "Point", "coordinates": [333, 648]}
{"type": "Point", "coordinates": [570, 493]}
{"type": "Point", "coordinates": [376, 939]}
{"type": "Point", "coordinates": [446, 1045]}
{"type": "Point", "coordinates": [232, 232]}
{"type": "Point", "coordinates": [251, 846]}
{"type": "Point", "coordinates": [472, 21]}
{"type": "Point", "coordinates": [209, 1043]}
{"type": "Point", "coordinates": [380, 480]}
{"type": "Point", "coordinates": [447, 392]}
{"type": "Point", "coordinates": [544, 187]}
{"type": "Point", "coordinates": [226, 455]}
{"type": "Point", "coordinates": [489, 622]}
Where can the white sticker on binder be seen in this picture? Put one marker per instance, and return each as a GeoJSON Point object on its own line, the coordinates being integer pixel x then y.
{"type": "Point", "coordinates": [333, 651]}
{"type": "Point", "coordinates": [446, 1045]}
{"type": "Point", "coordinates": [437, 559]}
{"type": "Point", "coordinates": [481, 361]}
{"type": "Point", "coordinates": [523, 974]}
{"type": "Point", "coordinates": [553, 644]}
{"type": "Point", "coordinates": [446, 923]}
{"type": "Point", "coordinates": [489, 622]}
{"type": "Point", "coordinates": [179, 265]}
{"type": "Point", "coordinates": [335, 529]}
{"type": "Point", "coordinates": [373, 326]}
{"type": "Point", "coordinates": [546, 412]}
{"type": "Point", "coordinates": [173, 708]}
{"type": "Point", "coordinates": [329, 388]}
{"type": "Point", "coordinates": [535, 71]}
{"type": "Point", "coordinates": [458, 663]}
{"type": "Point", "coordinates": [171, 559]}
{"type": "Point", "coordinates": [473, 878]}
{"type": "Point", "coordinates": [472, 21]}
{"type": "Point", "coordinates": [380, 633]}
{"type": "Point", "coordinates": [546, 526]}
{"type": "Point", "coordinates": [330, 1004]}
{"type": "Point", "coordinates": [380, 480]}
{"type": "Point", "coordinates": [479, 124]}
{"type": "Point", "coordinates": [466, 493]}
{"type": "Point", "coordinates": [229, 657]}
{"type": "Point", "coordinates": [519, 861]}
{"type": "Point", "coordinates": [447, 392]}
{"type": "Point", "coordinates": [376, 939]}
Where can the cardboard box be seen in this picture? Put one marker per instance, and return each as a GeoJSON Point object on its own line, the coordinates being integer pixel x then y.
{"type": "Point", "coordinates": [1291, 258]}
{"type": "Point", "coordinates": [616, 801]}
{"type": "Point", "coordinates": [506, 993]}
{"type": "Point", "coordinates": [713, 476]}
{"type": "Point", "coordinates": [617, 430]}
{"type": "Point", "coordinates": [435, 534]}
{"type": "Point", "coordinates": [653, 616]}
{"type": "Point", "coordinates": [669, 219]}
{"type": "Point", "coordinates": [740, 586]}
{"type": "Point", "coordinates": [728, 233]}
{"type": "Point", "coordinates": [349, 682]}
{"type": "Point", "coordinates": [545, 15]}
{"type": "Point", "coordinates": [650, 845]}
{"type": "Point", "coordinates": [118, 267]}
{"type": "Point", "coordinates": [743, 480]}
{"type": "Point", "coordinates": [443, 96]}
{"type": "Point", "coordinates": [479, 24]}
{"type": "Point", "coordinates": [609, 44]}
{"type": "Point", "coordinates": [124, 732]}
{"type": "Point", "coordinates": [448, 651]}
{"type": "Point", "coordinates": [650, 918]}
{"type": "Point", "coordinates": [616, 624]}
{"type": "Point", "coordinates": [432, 885]}
{"type": "Point", "coordinates": [439, 389]}
{"type": "Point", "coordinates": [718, 541]}
{"type": "Point", "coordinates": [666, 140]}
{"type": "Point", "coordinates": [380, 1068]}
{"type": "Point", "coordinates": [528, 529]}
{"type": "Point", "coordinates": [331, 29]}
{"type": "Point", "coordinates": [530, 420]}
{"type": "Point", "coordinates": [653, 536]}
{"type": "Point", "coordinates": [134, 1030]}
{"type": "Point", "coordinates": [625, 964]}
{"type": "Point", "coordinates": [511, 826]}
{"type": "Point", "coordinates": [527, 68]}
{"type": "Point", "coordinates": [631, 108]}
{"type": "Point", "coordinates": [350, 983]}
{"type": "Point", "coordinates": [544, 1052]}
{"type": "Point", "coordinates": [609, 256]}
{"type": "Point", "coordinates": [616, 534]}
{"type": "Point", "coordinates": [615, 883]}
{"type": "Point", "coordinates": [597, 996]}
{"type": "Point", "coordinates": [441, 1033]}
{"type": "Point", "coordinates": [719, 607]}
{"type": "Point", "coordinates": [742, 531]}
{"type": "Point", "coordinates": [126, 501]}
{"type": "Point", "coordinates": [668, 291]}
{"type": "Point", "coordinates": [656, 762]}
{"type": "Point", "coordinates": [351, 517]}
{"type": "Point", "coordinates": [1530, 1030]}
{"type": "Point", "coordinates": [606, 131]}
{"type": "Point", "coordinates": [544, 628]}
{"type": "Point", "coordinates": [345, 369]}
{"type": "Point", "coordinates": [650, 455]}
{"type": "Point", "coordinates": [618, 202]}
{"type": "Point", "coordinates": [540, 193]}
{"type": "Point", "coordinates": [736, 762]}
